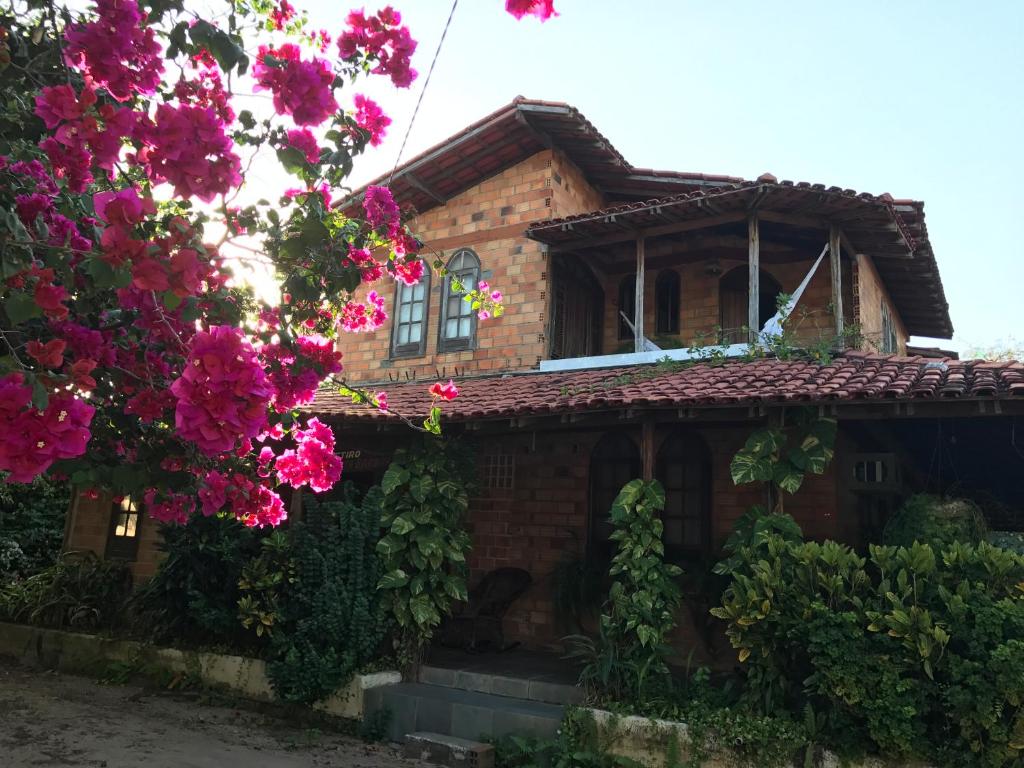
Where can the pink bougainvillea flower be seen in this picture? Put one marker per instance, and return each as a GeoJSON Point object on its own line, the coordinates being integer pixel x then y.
{"type": "Point", "coordinates": [174, 508]}
{"type": "Point", "coordinates": [60, 103]}
{"type": "Point", "coordinates": [371, 118]}
{"type": "Point", "coordinates": [381, 400]}
{"type": "Point", "coordinates": [542, 9]}
{"type": "Point", "coordinates": [70, 162]}
{"type": "Point", "coordinates": [223, 392]}
{"type": "Point", "coordinates": [444, 391]}
{"type": "Point", "coordinates": [48, 355]}
{"type": "Point", "coordinates": [116, 51]}
{"type": "Point", "coordinates": [150, 404]}
{"type": "Point", "coordinates": [124, 207]}
{"type": "Point", "coordinates": [380, 39]}
{"type": "Point", "coordinates": [313, 462]}
{"type": "Point", "coordinates": [408, 271]}
{"type": "Point", "coordinates": [360, 317]}
{"type": "Point", "coordinates": [80, 374]}
{"type": "Point", "coordinates": [304, 141]}
{"type": "Point", "coordinates": [189, 148]}
{"type": "Point", "coordinates": [213, 494]}
{"type": "Point", "coordinates": [302, 89]}
{"type": "Point", "coordinates": [281, 14]}
{"type": "Point", "coordinates": [496, 296]}
{"type": "Point", "coordinates": [381, 210]}
{"type": "Point", "coordinates": [50, 299]}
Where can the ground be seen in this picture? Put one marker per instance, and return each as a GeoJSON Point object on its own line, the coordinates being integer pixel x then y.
{"type": "Point", "coordinates": [51, 719]}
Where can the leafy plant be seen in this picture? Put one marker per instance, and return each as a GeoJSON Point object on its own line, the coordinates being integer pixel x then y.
{"type": "Point", "coordinates": [782, 456]}
{"type": "Point", "coordinates": [79, 590]}
{"type": "Point", "coordinates": [752, 531]}
{"type": "Point", "coordinates": [629, 658]}
{"type": "Point", "coordinates": [425, 494]}
{"type": "Point", "coordinates": [578, 589]}
{"type": "Point", "coordinates": [330, 620]}
{"type": "Point", "coordinates": [936, 521]}
{"type": "Point", "coordinates": [577, 745]}
{"type": "Point", "coordinates": [31, 526]}
{"type": "Point", "coordinates": [262, 582]}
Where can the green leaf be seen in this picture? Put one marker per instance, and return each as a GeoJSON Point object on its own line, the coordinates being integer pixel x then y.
{"type": "Point", "coordinates": [293, 160]}
{"type": "Point", "coordinates": [402, 525]}
{"type": "Point", "coordinates": [787, 477]}
{"type": "Point", "coordinates": [420, 487]}
{"type": "Point", "coordinates": [395, 476]}
{"type": "Point", "coordinates": [19, 307]}
{"type": "Point", "coordinates": [747, 468]}
{"type": "Point", "coordinates": [395, 579]}
{"type": "Point", "coordinates": [424, 612]}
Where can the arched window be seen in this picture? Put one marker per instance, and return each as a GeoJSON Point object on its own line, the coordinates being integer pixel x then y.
{"type": "Point", "coordinates": [614, 462]}
{"type": "Point", "coordinates": [666, 302]}
{"type": "Point", "coordinates": [409, 332]}
{"type": "Point", "coordinates": [458, 320]}
{"type": "Point", "coordinates": [627, 305]}
{"type": "Point", "coordinates": [683, 466]}
{"type": "Point", "coordinates": [733, 290]}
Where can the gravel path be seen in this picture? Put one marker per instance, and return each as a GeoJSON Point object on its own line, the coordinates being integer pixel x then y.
{"type": "Point", "coordinates": [51, 719]}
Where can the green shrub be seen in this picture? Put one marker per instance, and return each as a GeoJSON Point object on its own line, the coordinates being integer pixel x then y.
{"type": "Point", "coordinates": [913, 652]}
{"type": "Point", "coordinates": [424, 547]}
{"type": "Point", "coordinates": [628, 661]}
{"type": "Point", "coordinates": [193, 597]}
{"type": "Point", "coordinates": [31, 526]}
{"type": "Point", "coordinates": [79, 591]}
{"type": "Point", "coordinates": [330, 619]}
{"type": "Point", "coordinates": [936, 521]}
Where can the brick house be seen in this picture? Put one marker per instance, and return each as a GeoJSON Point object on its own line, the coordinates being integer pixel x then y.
{"type": "Point", "coordinates": [599, 261]}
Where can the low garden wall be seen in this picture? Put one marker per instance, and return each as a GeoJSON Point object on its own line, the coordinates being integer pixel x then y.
{"type": "Point", "coordinates": [246, 677]}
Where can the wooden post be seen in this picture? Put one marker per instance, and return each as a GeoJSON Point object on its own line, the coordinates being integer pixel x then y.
{"type": "Point", "coordinates": [638, 310]}
{"type": "Point", "coordinates": [834, 246]}
{"type": "Point", "coordinates": [647, 449]}
{"type": "Point", "coordinates": [754, 265]}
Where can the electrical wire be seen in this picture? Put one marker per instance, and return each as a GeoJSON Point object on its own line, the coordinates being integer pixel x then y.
{"type": "Point", "coordinates": [426, 82]}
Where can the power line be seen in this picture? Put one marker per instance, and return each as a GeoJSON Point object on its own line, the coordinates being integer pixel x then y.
{"type": "Point", "coordinates": [426, 82]}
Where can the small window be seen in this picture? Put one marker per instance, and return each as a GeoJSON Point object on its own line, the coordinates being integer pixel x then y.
{"type": "Point", "coordinates": [683, 466]}
{"type": "Point", "coordinates": [123, 539]}
{"type": "Point", "coordinates": [614, 462]}
{"type": "Point", "coordinates": [627, 305]}
{"type": "Point", "coordinates": [409, 332]}
{"type": "Point", "coordinates": [458, 320]}
{"type": "Point", "coordinates": [497, 471]}
{"type": "Point", "coordinates": [889, 342]}
{"type": "Point", "coordinates": [666, 302]}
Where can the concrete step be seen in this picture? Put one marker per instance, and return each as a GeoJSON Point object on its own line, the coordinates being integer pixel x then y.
{"type": "Point", "coordinates": [417, 707]}
{"type": "Point", "coordinates": [449, 751]}
{"type": "Point", "coordinates": [529, 688]}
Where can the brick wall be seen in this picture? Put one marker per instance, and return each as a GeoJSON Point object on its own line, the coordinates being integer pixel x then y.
{"type": "Point", "coordinates": [869, 296]}
{"type": "Point", "coordinates": [89, 527]}
{"type": "Point", "coordinates": [490, 219]}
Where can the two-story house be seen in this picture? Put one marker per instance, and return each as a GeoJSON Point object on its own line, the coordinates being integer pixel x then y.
{"type": "Point", "coordinates": [599, 263]}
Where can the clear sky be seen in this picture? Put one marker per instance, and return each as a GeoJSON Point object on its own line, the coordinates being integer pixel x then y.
{"type": "Point", "coordinates": [918, 99]}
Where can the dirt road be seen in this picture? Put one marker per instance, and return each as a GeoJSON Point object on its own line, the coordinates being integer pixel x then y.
{"type": "Point", "coordinates": [49, 719]}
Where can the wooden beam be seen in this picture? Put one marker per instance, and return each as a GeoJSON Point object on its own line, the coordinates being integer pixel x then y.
{"type": "Point", "coordinates": [622, 237]}
{"type": "Point", "coordinates": [834, 252]}
{"type": "Point", "coordinates": [647, 448]}
{"type": "Point", "coordinates": [754, 266]}
{"type": "Point", "coordinates": [638, 309]}
{"type": "Point", "coordinates": [426, 189]}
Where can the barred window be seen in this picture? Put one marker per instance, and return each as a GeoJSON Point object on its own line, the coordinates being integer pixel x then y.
{"type": "Point", "coordinates": [409, 332]}
{"type": "Point", "coordinates": [666, 302]}
{"type": "Point", "coordinates": [497, 471]}
{"type": "Point", "coordinates": [458, 320]}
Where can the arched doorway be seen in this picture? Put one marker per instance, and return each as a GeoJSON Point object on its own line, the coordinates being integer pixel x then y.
{"type": "Point", "coordinates": [683, 466]}
{"type": "Point", "coordinates": [733, 290]}
{"type": "Point", "coordinates": [614, 461]}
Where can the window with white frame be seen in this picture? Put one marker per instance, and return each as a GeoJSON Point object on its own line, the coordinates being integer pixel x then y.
{"type": "Point", "coordinates": [458, 320]}
{"type": "Point", "coordinates": [497, 471]}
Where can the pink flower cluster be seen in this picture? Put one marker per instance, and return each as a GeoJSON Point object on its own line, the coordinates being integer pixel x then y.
{"type": "Point", "coordinates": [408, 270]}
{"type": "Point", "coordinates": [382, 212]}
{"type": "Point", "coordinates": [369, 268]}
{"type": "Point", "coordinates": [359, 317]}
{"type": "Point", "coordinates": [371, 118]}
{"type": "Point", "coordinates": [189, 148]}
{"type": "Point", "coordinates": [114, 51]}
{"type": "Point", "coordinates": [252, 503]}
{"type": "Point", "coordinates": [446, 392]}
{"type": "Point", "coordinates": [380, 38]}
{"type": "Point", "coordinates": [302, 89]}
{"type": "Point", "coordinates": [172, 508]}
{"type": "Point", "coordinates": [34, 439]}
{"type": "Point", "coordinates": [542, 9]}
{"type": "Point", "coordinates": [296, 372]}
{"type": "Point", "coordinates": [281, 14]}
{"type": "Point", "coordinates": [304, 141]}
{"type": "Point", "coordinates": [206, 89]}
{"type": "Point", "coordinates": [313, 462]}
{"type": "Point", "coordinates": [222, 393]}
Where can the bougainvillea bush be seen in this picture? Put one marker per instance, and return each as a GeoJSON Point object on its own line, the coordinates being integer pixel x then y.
{"type": "Point", "coordinates": [131, 357]}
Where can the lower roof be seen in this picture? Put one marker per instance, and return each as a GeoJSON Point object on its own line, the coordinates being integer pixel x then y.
{"type": "Point", "coordinates": [854, 377]}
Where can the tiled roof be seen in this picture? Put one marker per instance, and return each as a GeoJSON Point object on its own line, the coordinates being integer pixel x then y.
{"type": "Point", "coordinates": [856, 376]}
{"type": "Point", "coordinates": [892, 232]}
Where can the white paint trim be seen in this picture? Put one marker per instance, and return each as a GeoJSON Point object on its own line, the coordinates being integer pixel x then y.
{"type": "Point", "coordinates": [641, 358]}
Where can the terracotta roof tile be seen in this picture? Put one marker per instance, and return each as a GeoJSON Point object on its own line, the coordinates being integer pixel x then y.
{"type": "Point", "coordinates": [855, 376]}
